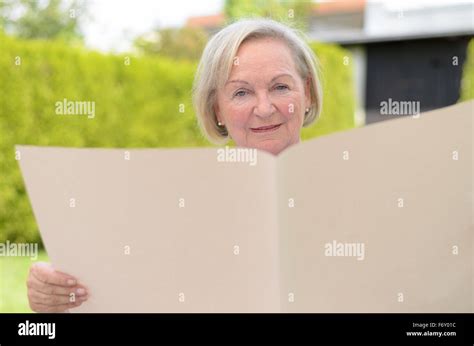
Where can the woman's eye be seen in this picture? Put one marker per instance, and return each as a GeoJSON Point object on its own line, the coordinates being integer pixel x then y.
{"type": "Point", "coordinates": [240, 93]}
{"type": "Point", "coordinates": [281, 87]}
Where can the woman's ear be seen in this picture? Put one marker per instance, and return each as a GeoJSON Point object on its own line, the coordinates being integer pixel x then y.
{"type": "Point", "coordinates": [218, 113]}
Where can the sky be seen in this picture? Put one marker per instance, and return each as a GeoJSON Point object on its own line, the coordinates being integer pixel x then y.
{"type": "Point", "coordinates": [114, 23]}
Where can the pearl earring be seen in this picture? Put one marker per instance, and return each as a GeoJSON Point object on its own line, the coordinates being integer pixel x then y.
{"type": "Point", "coordinates": [219, 123]}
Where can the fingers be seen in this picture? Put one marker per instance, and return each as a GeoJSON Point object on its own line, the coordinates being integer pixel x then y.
{"type": "Point", "coordinates": [45, 273]}
{"type": "Point", "coordinates": [40, 302]}
{"type": "Point", "coordinates": [50, 299]}
{"type": "Point", "coordinates": [35, 284]}
{"type": "Point", "coordinates": [53, 291]}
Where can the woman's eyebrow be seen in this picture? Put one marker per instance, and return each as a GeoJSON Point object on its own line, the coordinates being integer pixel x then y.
{"type": "Point", "coordinates": [273, 79]}
{"type": "Point", "coordinates": [281, 75]}
{"type": "Point", "coordinates": [236, 81]}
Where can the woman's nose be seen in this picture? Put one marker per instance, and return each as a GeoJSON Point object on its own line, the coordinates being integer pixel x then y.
{"type": "Point", "coordinates": [264, 107]}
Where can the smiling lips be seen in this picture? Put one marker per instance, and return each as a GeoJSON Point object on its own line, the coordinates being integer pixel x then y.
{"type": "Point", "coordinates": [265, 129]}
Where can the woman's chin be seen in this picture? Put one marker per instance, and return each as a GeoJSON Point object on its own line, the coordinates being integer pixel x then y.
{"type": "Point", "coordinates": [274, 147]}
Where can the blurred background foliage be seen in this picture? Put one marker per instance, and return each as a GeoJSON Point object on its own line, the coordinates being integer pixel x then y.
{"type": "Point", "coordinates": [177, 43]}
{"type": "Point", "coordinates": [291, 12]}
{"type": "Point", "coordinates": [52, 19]}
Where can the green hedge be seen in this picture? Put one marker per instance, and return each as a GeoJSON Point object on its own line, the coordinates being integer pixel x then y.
{"type": "Point", "coordinates": [137, 105]}
{"type": "Point", "coordinates": [338, 91]}
{"type": "Point", "coordinates": [467, 82]}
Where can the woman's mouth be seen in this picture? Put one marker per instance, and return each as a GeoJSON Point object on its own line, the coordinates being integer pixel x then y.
{"type": "Point", "coordinates": [265, 129]}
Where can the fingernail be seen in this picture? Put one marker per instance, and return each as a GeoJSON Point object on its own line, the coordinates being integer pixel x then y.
{"type": "Point", "coordinates": [80, 291]}
{"type": "Point", "coordinates": [71, 282]}
{"type": "Point", "coordinates": [83, 298]}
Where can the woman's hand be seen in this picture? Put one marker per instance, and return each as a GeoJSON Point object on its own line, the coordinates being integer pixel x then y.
{"type": "Point", "coordinates": [53, 291]}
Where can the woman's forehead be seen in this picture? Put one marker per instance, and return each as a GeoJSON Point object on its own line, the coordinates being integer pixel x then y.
{"type": "Point", "coordinates": [263, 58]}
{"type": "Point", "coordinates": [264, 49]}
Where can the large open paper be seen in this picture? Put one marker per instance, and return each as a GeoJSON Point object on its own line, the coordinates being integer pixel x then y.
{"type": "Point", "coordinates": [376, 219]}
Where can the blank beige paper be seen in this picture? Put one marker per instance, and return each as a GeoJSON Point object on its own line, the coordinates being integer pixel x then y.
{"type": "Point", "coordinates": [375, 219]}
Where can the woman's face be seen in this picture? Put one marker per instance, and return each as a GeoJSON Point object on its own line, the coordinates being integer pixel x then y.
{"type": "Point", "coordinates": [263, 102]}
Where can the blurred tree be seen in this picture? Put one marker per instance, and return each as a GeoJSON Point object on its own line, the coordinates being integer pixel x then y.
{"type": "Point", "coordinates": [47, 19]}
{"type": "Point", "coordinates": [181, 43]}
{"type": "Point", "coordinates": [5, 9]}
{"type": "Point", "coordinates": [294, 12]}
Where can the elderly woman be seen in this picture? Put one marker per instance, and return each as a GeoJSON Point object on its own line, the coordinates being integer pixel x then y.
{"type": "Point", "coordinates": [257, 83]}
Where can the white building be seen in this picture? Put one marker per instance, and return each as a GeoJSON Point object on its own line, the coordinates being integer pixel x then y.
{"type": "Point", "coordinates": [403, 50]}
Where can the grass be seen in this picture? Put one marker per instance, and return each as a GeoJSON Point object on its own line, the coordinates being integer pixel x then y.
{"type": "Point", "coordinates": [13, 274]}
